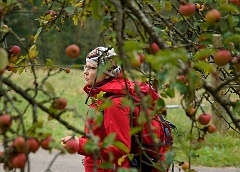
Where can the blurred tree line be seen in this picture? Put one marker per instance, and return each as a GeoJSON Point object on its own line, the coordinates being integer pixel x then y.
{"type": "Point", "coordinates": [53, 42]}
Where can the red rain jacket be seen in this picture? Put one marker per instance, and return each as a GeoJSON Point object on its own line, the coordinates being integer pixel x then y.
{"type": "Point", "coordinates": [116, 120]}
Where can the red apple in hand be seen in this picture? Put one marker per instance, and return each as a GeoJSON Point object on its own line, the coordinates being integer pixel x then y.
{"type": "Point", "coordinates": [222, 57]}
{"type": "Point", "coordinates": [19, 161]}
{"type": "Point", "coordinates": [72, 146]}
{"type": "Point", "coordinates": [5, 122]}
{"type": "Point", "coordinates": [212, 16]}
{"type": "Point", "coordinates": [72, 51]}
{"type": "Point", "coordinates": [16, 50]}
{"type": "Point", "coordinates": [60, 103]}
{"type": "Point", "coordinates": [204, 118]}
{"type": "Point", "coordinates": [187, 9]}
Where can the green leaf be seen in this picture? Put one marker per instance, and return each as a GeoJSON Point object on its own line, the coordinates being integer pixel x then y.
{"type": "Point", "coordinates": [203, 52]}
{"type": "Point", "coordinates": [135, 130]}
{"type": "Point", "coordinates": [3, 59]}
{"type": "Point", "coordinates": [20, 70]}
{"type": "Point", "coordinates": [48, 62]}
{"type": "Point", "coordinates": [170, 57]}
{"type": "Point", "coordinates": [108, 140]}
{"type": "Point", "coordinates": [131, 45]}
{"type": "Point", "coordinates": [203, 65]}
{"type": "Point", "coordinates": [36, 125]}
{"type": "Point", "coordinates": [160, 102]}
{"type": "Point", "coordinates": [121, 146]}
{"type": "Point", "coordinates": [96, 9]}
{"type": "Point", "coordinates": [50, 88]}
{"type": "Point", "coordinates": [127, 170]}
{"type": "Point", "coordinates": [235, 38]}
{"type": "Point", "coordinates": [106, 165]}
{"type": "Point", "coordinates": [37, 34]}
{"type": "Point", "coordinates": [169, 156]}
{"type": "Point", "coordinates": [229, 8]}
{"type": "Point", "coordinates": [90, 146]}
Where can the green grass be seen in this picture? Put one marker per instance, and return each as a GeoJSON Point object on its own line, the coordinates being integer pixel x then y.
{"type": "Point", "coordinates": [220, 150]}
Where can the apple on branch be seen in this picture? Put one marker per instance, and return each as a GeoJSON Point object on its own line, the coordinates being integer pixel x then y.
{"type": "Point", "coordinates": [15, 50]}
{"type": "Point", "coordinates": [33, 145]}
{"type": "Point", "coordinates": [60, 103]}
{"type": "Point", "coordinates": [45, 143]}
{"type": "Point", "coordinates": [211, 128]}
{"type": "Point", "coordinates": [19, 144]}
{"type": "Point", "coordinates": [213, 16]}
{"type": "Point", "coordinates": [5, 122]}
{"type": "Point", "coordinates": [204, 118]}
{"type": "Point", "coordinates": [19, 161]}
{"type": "Point", "coordinates": [187, 9]}
{"type": "Point", "coordinates": [222, 57]}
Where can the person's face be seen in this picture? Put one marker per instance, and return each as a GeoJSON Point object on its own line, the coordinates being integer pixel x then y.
{"type": "Point", "coordinates": [90, 73]}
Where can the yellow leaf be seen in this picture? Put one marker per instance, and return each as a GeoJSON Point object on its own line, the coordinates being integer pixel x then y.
{"type": "Point", "coordinates": [32, 52]}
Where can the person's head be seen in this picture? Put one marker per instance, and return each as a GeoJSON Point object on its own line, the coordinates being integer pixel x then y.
{"type": "Point", "coordinates": [100, 56]}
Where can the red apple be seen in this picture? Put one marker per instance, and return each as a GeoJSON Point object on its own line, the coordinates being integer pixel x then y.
{"type": "Point", "coordinates": [67, 70]}
{"type": "Point", "coordinates": [33, 145]}
{"type": "Point", "coordinates": [45, 143]}
{"type": "Point", "coordinates": [19, 161]}
{"type": "Point", "coordinates": [19, 144]}
{"type": "Point", "coordinates": [16, 50]}
{"type": "Point", "coordinates": [204, 118]}
{"type": "Point", "coordinates": [182, 78]}
{"type": "Point", "coordinates": [5, 122]}
{"type": "Point", "coordinates": [211, 128]}
{"type": "Point", "coordinates": [52, 14]}
{"type": "Point", "coordinates": [236, 63]}
{"type": "Point", "coordinates": [135, 60]}
{"type": "Point", "coordinates": [212, 16]}
{"type": "Point", "coordinates": [72, 51]}
{"type": "Point", "coordinates": [187, 9]}
{"type": "Point", "coordinates": [222, 57]}
{"type": "Point", "coordinates": [60, 103]}
{"type": "Point", "coordinates": [72, 146]}
{"type": "Point", "coordinates": [185, 166]}
{"type": "Point", "coordinates": [235, 2]}
{"type": "Point", "coordinates": [191, 111]}
{"type": "Point", "coordinates": [153, 48]}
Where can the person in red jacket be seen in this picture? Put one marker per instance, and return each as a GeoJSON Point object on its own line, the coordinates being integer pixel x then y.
{"type": "Point", "coordinates": [116, 118]}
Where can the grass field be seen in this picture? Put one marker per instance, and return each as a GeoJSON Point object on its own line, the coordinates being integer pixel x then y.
{"type": "Point", "coordinates": [221, 150]}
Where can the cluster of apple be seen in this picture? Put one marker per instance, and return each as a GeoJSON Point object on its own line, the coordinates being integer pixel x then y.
{"type": "Point", "coordinates": [138, 58]}
{"type": "Point", "coordinates": [15, 156]}
{"type": "Point", "coordinates": [13, 52]}
{"type": "Point", "coordinates": [195, 144]}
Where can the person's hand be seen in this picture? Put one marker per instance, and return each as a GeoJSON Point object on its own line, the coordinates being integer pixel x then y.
{"type": "Point", "coordinates": [67, 138]}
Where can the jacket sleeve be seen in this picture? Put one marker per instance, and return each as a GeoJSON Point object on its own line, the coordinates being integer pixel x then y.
{"type": "Point", "coordinates": [116, 120]}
